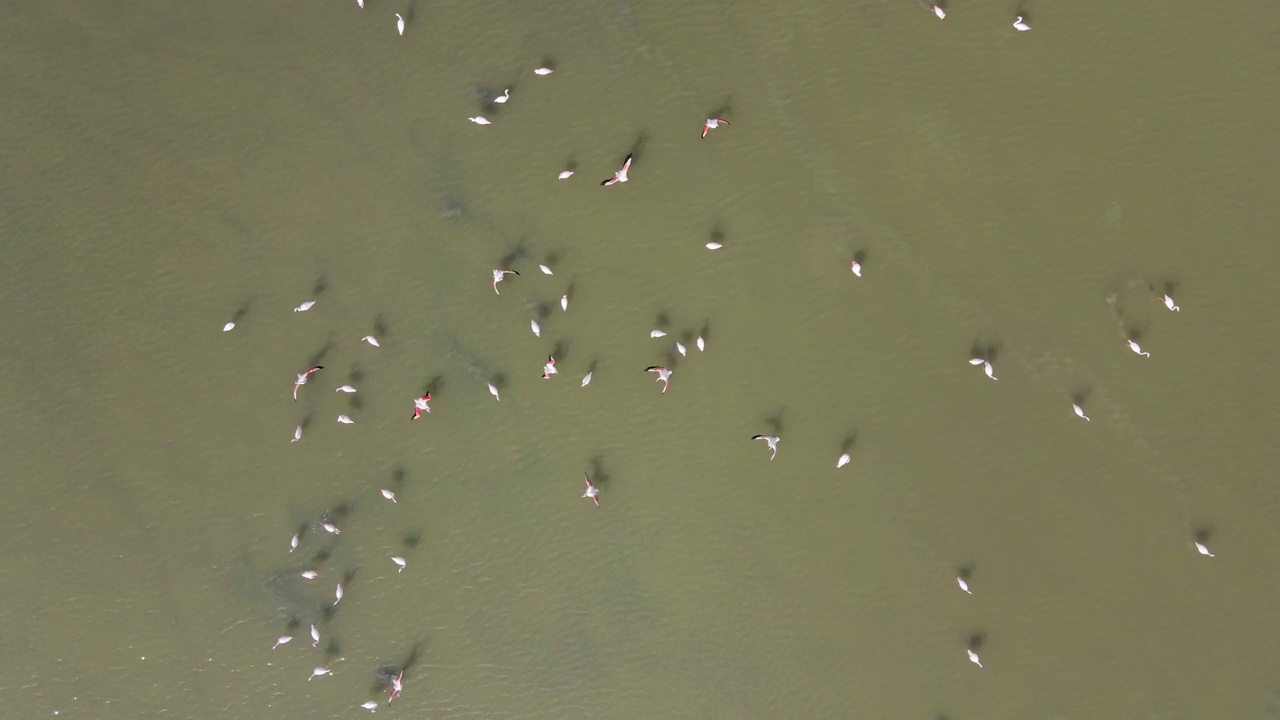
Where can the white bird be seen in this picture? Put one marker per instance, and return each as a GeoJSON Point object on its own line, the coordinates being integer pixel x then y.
{"type": "Point", "coordinates": [505, 96]}
{"type": "Point", "coordinates": [937, 10]}
{"type": "Point", "coordinates": [664, 375]}
{"type": "Point", "coordinates": [844, 460]}
{"type": "Point", "coordinates": [545, 270]}
{"type": "Point", "coordinates": [856, 267]}
{"type": "Point", "coordinates": [305, 306]}
{"type": "Point", "coordinates": [592, 491]}
{"type": "Point", "coordinates": [712, 124]}
{"type": "Point", "coordinates": [536, 328]}
{"type": "Point", "coordinates": [986, 367]}
{"type": "Point", "coordinates": [498, 275]}
{"type": "Point", "coordinates": [346, 389]}
{"type": "Point", "coordinates": [549, 369]}
{"type": "Point", "coordinates": [229, 327]}
{"type": "Point", "coordinates": [318, 672]}
{"type": "Point", "coordinates": [963, 584]}
{"type": "Point", "coordinates": [564, 175]}
{"type": "Point", "coordinates": [494, 392]}
{"type": "Point", "coordinates": [281, 641]}
{"type": "Point", "coordinates": [480, 120]}
{"type": "Point", "coordinates": [302, 379]}
{"type": "Point", "coordinates": [1079, 411]}
{"type": "Point", "coordinates": [702, 344]}
{"type": "Point", "coordinates": [360, 4]}
{"type": "Point", "coordinates": [1168, 302]}
{"type": "Point", "coordinates": [315, 636]}
{"type": "Point", "coordinates": [330, 528]}
{"type": "Point", "coordinates": [371, 340]}
{"type": "Point", "coordinates": [586, 380]}
{"type": "Point", "coordinates": [543, 71]}
{"type": "Point", "coordinates": [345, 420]}
{"type": "Point", "coordinates": [564, 303]}
{"type": "Point", "coordinates": [773, 441]}
{"type": "Point", "coordinates": [309, 574]}
{"type": "Point", "coordinates": [370, 705]}
{"type": "Point", "coordinates": [337, 594]}
{"type": "Point", "coordinates": [973, 658]}
{"type": "Point", "coordinates": [293, 542]}
{"type": "Point", "coordinates": [297, 434]}
{"type": "Point", "coordinates": [1138, 349]}
{"type": "Point", "coordinates": [619, 176]}
{"type": "Point", "coordinates": [388, 494]}
{"type": "Point", "coordinates": [680, 348]}
{"type": "Point", "coordinates": [1019, 25]}
{"type": "Point", "coordinates": [714, 246]}
{"type": "Point", "coordinates": [399, 24]}
{"type": "Point", "coordinates": [399, 561]}
{"type": "Point", "coordinates": [657, 333]}
{"type": "Point", "coordinates": [1200, 548]}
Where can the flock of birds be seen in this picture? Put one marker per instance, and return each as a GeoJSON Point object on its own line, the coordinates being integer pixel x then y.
{"type": "Point", "coordinates": [391, 678]}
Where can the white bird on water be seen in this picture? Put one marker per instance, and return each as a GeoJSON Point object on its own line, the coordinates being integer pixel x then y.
{"type": "Point", "coordinates": [842, 461]}
{"type": "Point", "coordinates": [345, 420]}
{"type": "Point", "coordinates": [315, 636]}
{"type": "Point", "coordinates": [973, 657]}
{"type": "Point", "coordinates": [564, 303]}
{"type": "Point", "coordinates": [964, 585]}
{"type": "Point", "coordinates": [330, 528]}
{"type": "Point", "coordinates": [337, 594]}
{"type": "Point", "coordinates": [399, 24]}
{"type": "Point", "coordinates": [1200, 548]}
{"type": "Point", "coordinates": [986, 367]}
{"type": "Point", "coordinates": [1079, 411]}
{"type": "Point", "coordinates": [505, 96]}
{"type": "Point", "coordinates": [714, 246]}
{"type": "Point", "coordinates": [305, 306]}
{"type": "Point", "coordinates": [281, 641]}
{"type": "Point", "coordinates": [493, 390]}
{"type": "Point", "coordinates": [702, 344]}
{"type": "Point", "coordinates": [360, 4]}
{"type": "Point", "coordinates": [680, 348]}
{"type": "Point", "coordinates": [318, 672]}
{"type": "Point", "coordinates": [773, 441]}
{"type": "Point", "coordinates": [543, 71]}
{"type": "Point", "coordinates": [1019, 25]}
{"type": "Point", "coordinates": [536, 328]}
{"type": "Point", "coordinates": [229, 327]}
{"type": "Point", "coordinates": [293, 542]}
{"type": "Point", "coordinates": [586, 380]}
{"type": "Point", "coordinates": [346, 389]}
{"type": "Point", "coordinates": [657, 333]}
{"type": "Point", "coordinates": [620, 176]}
{"type": "Point", "coordinates": [856, 267]}
{"type": "Point", "coordinates": [388, 494]}
{"type": "Point", "coordinates": [1136, 348]}
{"type": "Point", "coordinates": [564, 175]}
{"type": "Point", "coordinates": [297, 434]}
{"type": "Point", "coordinates": [371, 340]}
{"type": "Point", "coordinates": [545, 270]}
{"type": "Point", "coordinates": [937, 10]}
{"type": "Point", "coordinates": [664, 375]}
{"type": "Point", "coordinates": [480, 120]}
{"type": "Point", "coordinates": [309, 574]}
{"type": "Point", "coordinates": [1167, 299]}
{"type": "Point", "coordinates": [400, 563]}
{"type": "Point", "coordinates": [370, 705]}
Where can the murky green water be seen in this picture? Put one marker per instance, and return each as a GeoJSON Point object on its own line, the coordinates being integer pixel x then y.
{"type": "Point", "coordinates": [169, 165]}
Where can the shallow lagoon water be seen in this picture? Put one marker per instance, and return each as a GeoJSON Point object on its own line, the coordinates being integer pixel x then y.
{"type": "Point", "coordinates": [171, 166]}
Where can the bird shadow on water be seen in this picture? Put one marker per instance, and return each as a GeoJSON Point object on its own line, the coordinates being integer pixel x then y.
{"type": "Point", "coordinates": [976, 641]}
{"type": "Point", "coordinates": [387, 672]}
{"type": "Point", "coordinates": [847, 445]}
{"type": "Point", "coordinates": [717, 234]}
{"type": "Point", "coordinates": [242, 311]}
{"type": "Point", "coordinates": [598, 474]}
{"type": "Point", "coordinates": [985, 348]}
{"type": "Point", "coordinates": [432, 388]}
{"type": "Point", "coordinates": [319, 356]}
{"type": "Point", "coordinates": [1135, 332]}
{"type": "Point", "coordinates": [355, 375]}
{"type": "Point", "coordinates": [380, 326]}
{"type": "Point", "coordinates": [519, 252]}
{"type": "Point", "coordinates": [412, 539]}
{"type": "Point", "coordinates": [725, 108]}
{"type": "Point", "coordinates": [637, 147]}
{"type": "Point", "coordinates": [320, 286]}
{"type": "Point", "coordinates": [561, 349]}
{"type": "Point", "coordinates": [774, 421]}
{"type": "Point", "coordinates": [1203, 534]}
{"type": "Point", "coordinates": [1078, 397]}
{"type": "Point", "coordinates": [965, 571]}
